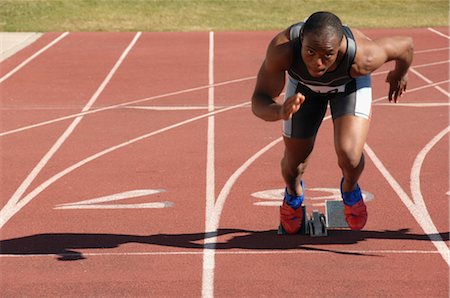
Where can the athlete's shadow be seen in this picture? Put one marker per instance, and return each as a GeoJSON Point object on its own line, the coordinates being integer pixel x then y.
{"type": "Point", "coordinates": [66, 246]}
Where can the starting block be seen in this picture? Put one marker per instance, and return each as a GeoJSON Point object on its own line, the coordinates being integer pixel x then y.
{"type": "Point", "coordinates": [317, 224]}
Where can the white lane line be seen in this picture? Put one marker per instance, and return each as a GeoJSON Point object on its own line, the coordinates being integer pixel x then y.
{"type": "Point", "coordinates": [125, 104]}
{"type": "Point", "coordinates": [431, 64]}
{"type": "Point", "coordinates": [7, 213]}
{"type": "Point", "coordinates": [416, 105]}
{"type": "Point", "coordinates": [438, 33]}
{"type": "Point", "coordinates": [208, 253]}
{"type": "Point", "coordinates": [422, 217]}
{"type": "Point", "coordinates": [299, 250]}
{"type": "Point", "coordinates": [169, 108]}
{"type": "Point", "coordinates": [429, 81]}
{"type": "Point", "coordinates": [32, 57]}
{"type": "Point", "coordinates": [9, 209]}
{"type": "Point", "coordinates": [431, 50]}
{"type": "Point", "coordinates": [122, 105]}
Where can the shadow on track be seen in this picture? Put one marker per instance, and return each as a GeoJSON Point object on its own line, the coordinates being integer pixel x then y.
{"type": "Point", "coordinates": [65, 245]}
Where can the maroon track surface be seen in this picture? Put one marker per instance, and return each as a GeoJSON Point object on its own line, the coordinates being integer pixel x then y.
{"type": "Point", "coordinates": [140, 250]}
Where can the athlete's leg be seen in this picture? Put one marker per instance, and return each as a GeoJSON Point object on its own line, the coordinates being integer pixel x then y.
{"type": "Point", "coordinates": [351, 124]}
{"type": "Point", "coordinates": [299, 135]}
{"type": "Point", "coordinates": [351, 112]}
{"type": "Point", "coordinates": [294, 162]}
{"type": "Point", "coordinates": [350, 133]}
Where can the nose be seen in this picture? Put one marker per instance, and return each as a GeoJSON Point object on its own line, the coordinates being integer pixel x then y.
{"type": "Point", "coordinates": [319, 63]}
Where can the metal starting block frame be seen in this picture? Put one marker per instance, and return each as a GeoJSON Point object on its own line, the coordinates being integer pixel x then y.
{"type": "Point", "coordinates": [317, 224]}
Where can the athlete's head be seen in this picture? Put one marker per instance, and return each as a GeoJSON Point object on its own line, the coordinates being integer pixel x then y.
{"type": "Point", "coordinates": [321, 38]}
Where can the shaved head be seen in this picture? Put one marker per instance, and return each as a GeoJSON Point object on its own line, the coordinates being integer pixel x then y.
{"type": "Point", "coordinates": [324, 25]}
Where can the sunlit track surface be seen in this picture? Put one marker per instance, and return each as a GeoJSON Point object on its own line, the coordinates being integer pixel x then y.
{"type": "Point", "coordinates": [129, 161]}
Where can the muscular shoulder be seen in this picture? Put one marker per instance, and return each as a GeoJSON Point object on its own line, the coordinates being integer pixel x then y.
{"type": "Point", "coordinates": [371, 54]}
{"type": "Point", "coordinates": [367, 54]}
{"type": "Point", "coordinates": [279, 52]}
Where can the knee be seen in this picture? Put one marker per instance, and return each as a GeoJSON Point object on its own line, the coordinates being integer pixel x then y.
{"type": "Point", "coordinates": [350, 159]}
{"type": "Point", "coordinates": [294, 167]}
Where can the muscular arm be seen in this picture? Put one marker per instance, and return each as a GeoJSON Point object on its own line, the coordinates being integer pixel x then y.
{"type": "Point", "coordinates": [373, 54]}
{"type": "Point", "coordinates": [270, 82]}
{"type": "Point", "coordinates": [269, 85]}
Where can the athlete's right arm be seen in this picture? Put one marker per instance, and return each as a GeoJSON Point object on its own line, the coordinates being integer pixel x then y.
{"type": "Point", "coordinates": [270, 83]}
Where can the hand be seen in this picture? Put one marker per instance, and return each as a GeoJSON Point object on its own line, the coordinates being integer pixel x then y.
{"type": "Point", "coordinates": [291, 105]}
{"type": "Point", "coordinates": [397, 85]}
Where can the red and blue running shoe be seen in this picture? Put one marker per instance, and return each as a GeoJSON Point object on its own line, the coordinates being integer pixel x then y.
{"type": "Point", "coordinates": [291, 213]}
{"type": "Point", "coordinates": [355, 210]}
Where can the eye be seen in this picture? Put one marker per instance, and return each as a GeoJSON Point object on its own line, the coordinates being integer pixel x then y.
{"type": "Point", "coordinates": [310, 52]}
{"type": "Point", "coordinates": [328, 56]}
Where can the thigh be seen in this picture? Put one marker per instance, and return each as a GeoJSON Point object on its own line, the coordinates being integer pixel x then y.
{"type": "Point", "coordinates": [355, 101]}
{"type": "Point", "coordinates": [350, 134]}
{"type": "Point", "coordinates": [351, 113]}
{"type": "Point", "coordinates": [305, 123]}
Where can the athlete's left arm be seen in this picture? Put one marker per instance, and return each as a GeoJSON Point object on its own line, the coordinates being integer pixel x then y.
{"type": "Point", "coordinates": [373, 54]}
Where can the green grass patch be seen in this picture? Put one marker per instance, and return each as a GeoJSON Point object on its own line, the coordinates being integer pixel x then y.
{"type": "Point", "coordinates": [205, 15]}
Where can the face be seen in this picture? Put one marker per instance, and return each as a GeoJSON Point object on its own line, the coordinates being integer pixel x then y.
{"type": "Point", "coordinates": [319, 53]}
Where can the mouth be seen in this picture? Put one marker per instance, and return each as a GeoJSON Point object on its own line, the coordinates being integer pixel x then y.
{"type": "Point", "coordinates": [317, 73]}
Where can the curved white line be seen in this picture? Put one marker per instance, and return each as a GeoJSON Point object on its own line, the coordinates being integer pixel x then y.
{"type": "Point", "coordinates": [65, 135]}
{"type": "Point", "coordinates": [416, 211]}
{"type": "Point", "coordinates": [416, 192]}
{"type": "Point", "coordinates": [11, 209]}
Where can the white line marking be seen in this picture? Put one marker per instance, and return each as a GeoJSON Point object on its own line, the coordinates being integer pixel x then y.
{"type": "Point", "coordinates": [416, 105]}
{"type": "Point", "coordinates": [417, 193]}
{"type": "Point", "coordinates": [122, 105]}
{"type": "Point", "coordinates": [208, 255]}
{"type": "Point", "coordinates": [11, 206]}
{"type": "Point", "coordinates": [7, 213]}
{"type": "Point", "coordinates": [150, 205]}
{"type": "Point", "coordinates": [438, 33]}
{"type": "Point", "coordinates": [422, 217]}
{"type": "Point", "coordinates": [431, 50]}
{"type": "Point", "coordinates": [21, 65]}
{"type": "Point", "coordinates": [118, 197]}
{"type": "Point", "coordinates": [98, 202]}
{"type": "Point", "coordinates": [420, 75]}
{"type": "Point", "coordinates": [168, 108]}
{"type": "Point", "coordinates": [431, 64]}
{"type": "Point", "coordinates": [299, 250]}
{"type": "Point", "coordinates": [429, 81]}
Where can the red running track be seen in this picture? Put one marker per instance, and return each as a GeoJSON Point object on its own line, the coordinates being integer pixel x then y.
{"type": "Point", "coordinates": [133, 166]}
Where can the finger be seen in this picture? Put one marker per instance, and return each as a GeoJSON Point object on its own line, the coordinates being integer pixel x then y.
{"type": "Point", "coordinates": [292, 105]}
{"type": "Point", "coordinates": [391, 91]}
{"type": "Point", "coordinates": [302, 98]}
{"type": "Point", "coordinates": [395, 95]}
